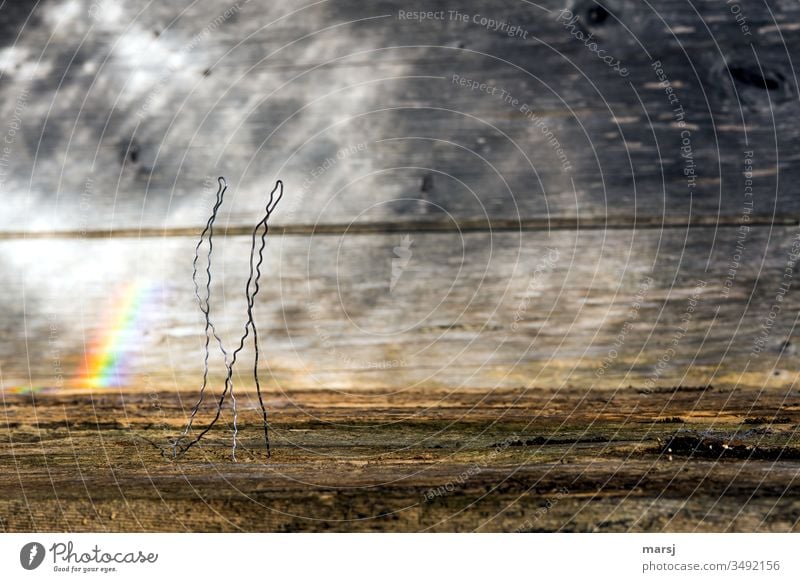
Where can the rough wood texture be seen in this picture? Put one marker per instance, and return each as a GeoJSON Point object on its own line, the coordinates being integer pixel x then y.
{"type": "Point", "coordinates": [588, 308]}
{"type": "Point", "coordinates": [466, 325]}
{"type": "Point", "coordinates": [682, 459]}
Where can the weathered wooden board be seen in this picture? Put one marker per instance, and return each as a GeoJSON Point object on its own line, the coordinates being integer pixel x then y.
{"type": "Point", "coordinates": [465, 324]}
{"type": "Point", "coordinates": [430, 460]}
{"type": "Point", "coordinates": [585, 308]}
{"type": "Point", "coordinates": [128, 112]}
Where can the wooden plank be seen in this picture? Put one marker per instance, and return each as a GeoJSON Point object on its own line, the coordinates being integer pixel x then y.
{"type": "Point", "coordinates": [147, 119]}
{"type": "Point", "coordinates": [596, 308]}
{"type": "Point", "coordinates": [499, 460]}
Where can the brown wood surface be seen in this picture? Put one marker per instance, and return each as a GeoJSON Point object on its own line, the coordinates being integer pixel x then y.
{"type": "Point", "coordinates": [596, 348]}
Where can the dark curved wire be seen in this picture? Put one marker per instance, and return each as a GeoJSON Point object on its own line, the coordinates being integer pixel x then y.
{"type": "Point", "coordinates": [250, 323]}
{"type": "Point", "coordinates": [252, 302]}
{"type": "Point", "coordinates": [205, 309]}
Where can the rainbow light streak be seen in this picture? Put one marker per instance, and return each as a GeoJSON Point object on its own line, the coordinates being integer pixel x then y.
{"type": "Point", "coordinates": [109, 357]}
{"type": "Point", "coordinates": [24, 389]}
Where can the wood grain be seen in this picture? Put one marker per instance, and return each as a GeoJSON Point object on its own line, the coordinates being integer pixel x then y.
{"type": "Point", "coordinates": [477, 314]}
{"type": "Point", "coordinates": [588, 308]}
{"type": "Point", "coordinates": [430, 460]}
{"type": "Point", "coordinates": [128, 116]}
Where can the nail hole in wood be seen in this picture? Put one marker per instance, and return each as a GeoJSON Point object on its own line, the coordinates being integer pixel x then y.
{"type": "Point", "coordinates": [597, 15]}
{"type": "Point", "coordinates": [427, 183]}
